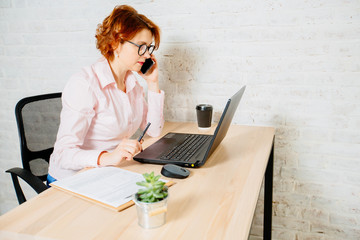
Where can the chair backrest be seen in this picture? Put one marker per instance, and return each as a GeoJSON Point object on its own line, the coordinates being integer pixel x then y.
{"type": "Point", "coordinates": [38, 119]}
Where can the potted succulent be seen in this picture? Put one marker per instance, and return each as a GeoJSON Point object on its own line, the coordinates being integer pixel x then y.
{"type": "Point", "coordinates": [151, 201]}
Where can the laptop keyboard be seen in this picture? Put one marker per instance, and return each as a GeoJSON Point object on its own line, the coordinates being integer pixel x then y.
{"type": "Point", "coordinates": [187, 149]}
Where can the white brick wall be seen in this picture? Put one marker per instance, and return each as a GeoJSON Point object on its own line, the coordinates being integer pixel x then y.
{"type": "Point", "coordinates": [299, 59]}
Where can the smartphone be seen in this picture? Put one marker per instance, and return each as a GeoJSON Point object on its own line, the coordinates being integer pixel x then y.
{"type": "Point", "coordinates": [147, 65]}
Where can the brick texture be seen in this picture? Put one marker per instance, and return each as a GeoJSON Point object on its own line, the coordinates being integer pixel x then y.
{"type": "Point", "coordinates": [299, 60]}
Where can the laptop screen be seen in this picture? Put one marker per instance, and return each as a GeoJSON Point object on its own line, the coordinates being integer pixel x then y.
{"type": "Point", "coordinates": [225, 120]}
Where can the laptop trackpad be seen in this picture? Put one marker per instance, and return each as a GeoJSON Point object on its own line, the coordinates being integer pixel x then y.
{"type": "Point", "coordinates": [163, 145]}
{"type": "Point", "coordinates": [170, 136]}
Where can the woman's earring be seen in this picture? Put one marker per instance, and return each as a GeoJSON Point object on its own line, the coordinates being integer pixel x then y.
{"type": "Point", "coordinates": [117, 54]}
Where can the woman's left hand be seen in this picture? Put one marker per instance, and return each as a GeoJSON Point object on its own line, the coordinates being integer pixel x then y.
{"type": "Point", "coordinates": [152, 76]}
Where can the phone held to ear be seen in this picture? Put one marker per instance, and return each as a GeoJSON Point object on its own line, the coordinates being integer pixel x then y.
{"type": "Point", "coordinates": [147, 65]}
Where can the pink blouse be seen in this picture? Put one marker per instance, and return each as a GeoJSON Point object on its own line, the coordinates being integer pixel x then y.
{"type": "Point", "coordinates": [96, 116]}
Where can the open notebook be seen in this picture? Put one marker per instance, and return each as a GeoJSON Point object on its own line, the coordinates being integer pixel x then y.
{"type": "Point", "coordinates": [110, 187]}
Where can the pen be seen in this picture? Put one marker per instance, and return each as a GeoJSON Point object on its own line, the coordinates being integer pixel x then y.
{"type": "Point", "coordinates": [143, 133]}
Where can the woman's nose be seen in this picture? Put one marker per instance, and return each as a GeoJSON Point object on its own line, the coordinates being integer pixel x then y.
{"type": "Point", "coordinates": [147, 54]}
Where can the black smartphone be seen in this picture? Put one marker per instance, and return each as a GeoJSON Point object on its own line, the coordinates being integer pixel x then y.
{"type": "Point", "coordinates": [147, 65]}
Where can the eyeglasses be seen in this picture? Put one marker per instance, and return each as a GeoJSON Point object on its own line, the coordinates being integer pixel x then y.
{"type": "Point", "coordinates": [143, 48]}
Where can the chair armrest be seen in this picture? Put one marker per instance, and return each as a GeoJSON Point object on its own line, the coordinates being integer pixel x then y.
{"type": "Point", "coordinates": [28, 177]}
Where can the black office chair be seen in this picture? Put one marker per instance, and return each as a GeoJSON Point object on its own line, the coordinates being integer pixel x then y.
{"type": "Point", "coordinates": [38, 120]}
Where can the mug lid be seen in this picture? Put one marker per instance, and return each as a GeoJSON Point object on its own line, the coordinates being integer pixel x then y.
{"type": "Point", "coordinates": [204, 107]}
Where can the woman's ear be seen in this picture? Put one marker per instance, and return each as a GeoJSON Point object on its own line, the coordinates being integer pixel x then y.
{"type": "Point", "coordinates": [117, 48]}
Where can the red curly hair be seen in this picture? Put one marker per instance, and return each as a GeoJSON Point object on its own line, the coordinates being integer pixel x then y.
{"type": "Point", "coordinates": [122, 24]}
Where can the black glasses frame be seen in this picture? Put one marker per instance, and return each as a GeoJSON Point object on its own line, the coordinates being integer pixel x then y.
{"type": "Point", "coordinates": [150, 48]}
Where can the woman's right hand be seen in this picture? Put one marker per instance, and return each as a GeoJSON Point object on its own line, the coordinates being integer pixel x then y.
{"type": "Point", "coordinates": [152, 76]}
{"type": "Point", "coordinates": [124, 151]}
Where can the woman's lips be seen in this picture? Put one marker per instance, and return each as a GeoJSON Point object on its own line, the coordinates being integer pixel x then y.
{"type": "Point", "coordinates": [141, 63]}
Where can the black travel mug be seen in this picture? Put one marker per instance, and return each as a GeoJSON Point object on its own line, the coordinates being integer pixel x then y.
{"type": "Point", "coordinates": [204, 115]}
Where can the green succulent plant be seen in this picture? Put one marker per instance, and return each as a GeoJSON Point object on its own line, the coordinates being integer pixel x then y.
{"type": "Point", "coordinates": [153, 189]}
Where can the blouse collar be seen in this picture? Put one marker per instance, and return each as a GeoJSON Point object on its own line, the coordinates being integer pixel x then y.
{"type": "Point", "coordinates": [106, 77]}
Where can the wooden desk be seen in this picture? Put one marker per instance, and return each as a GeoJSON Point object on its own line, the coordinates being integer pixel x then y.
{"type": "Point", "coordinates": [217, 201]}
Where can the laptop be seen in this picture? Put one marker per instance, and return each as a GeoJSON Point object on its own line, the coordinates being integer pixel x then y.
{"type": "Point", "coordinates": [190, 150]}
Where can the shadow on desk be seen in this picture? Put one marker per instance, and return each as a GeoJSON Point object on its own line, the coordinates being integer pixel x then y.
{"type": "Point", "coordinates": [218, 157]}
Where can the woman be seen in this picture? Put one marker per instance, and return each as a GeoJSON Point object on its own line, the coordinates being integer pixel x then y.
{"type": "Point", "coordinates": [104, 105]}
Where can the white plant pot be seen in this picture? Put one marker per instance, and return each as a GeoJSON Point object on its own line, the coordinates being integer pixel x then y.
{"type": "Point", "coordinates": [151, 215]}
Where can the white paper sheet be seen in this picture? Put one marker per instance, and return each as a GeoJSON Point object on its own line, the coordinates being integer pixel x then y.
{"type": "Point", "coordinates": [110, 185]}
